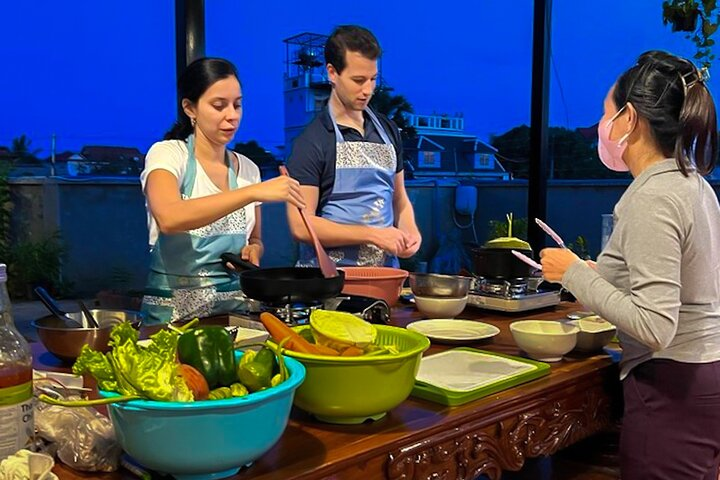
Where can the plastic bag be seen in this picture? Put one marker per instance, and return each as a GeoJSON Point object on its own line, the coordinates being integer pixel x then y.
{"type": "Point", "coordinates": [25, 465]}
{"type": "Point", "coordinates": [81, 437]}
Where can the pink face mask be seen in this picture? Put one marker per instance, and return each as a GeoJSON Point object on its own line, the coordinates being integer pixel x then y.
{"type": "Point", "coordinates": [611, 152]}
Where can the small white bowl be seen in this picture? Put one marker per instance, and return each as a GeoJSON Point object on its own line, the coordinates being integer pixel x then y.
{"type": "Point", "coordinates": [595, 332]}
{"type": "Point", "coordinates": [441, 307]}
{"type": "Point", "coordinates": [544, 340]}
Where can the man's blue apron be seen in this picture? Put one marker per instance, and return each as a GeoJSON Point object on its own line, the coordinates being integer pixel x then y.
{"type": "Point", "coordinates": [187, 278]}
{"type": "Point", "coordinates": [362, 194]}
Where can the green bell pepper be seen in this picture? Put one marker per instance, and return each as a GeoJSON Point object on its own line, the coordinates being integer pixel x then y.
{"type": "Point", "coordinates": [210, 350]}
{"type": "Point", "coordinates": [256, 369]}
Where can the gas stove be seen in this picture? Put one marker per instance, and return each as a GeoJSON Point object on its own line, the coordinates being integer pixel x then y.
{"type": "Point", "coordinates": [372, 310]}
{"type": "Point", "coordinates": [511, 295]}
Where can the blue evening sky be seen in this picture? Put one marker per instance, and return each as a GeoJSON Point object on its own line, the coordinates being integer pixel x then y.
{"type": "Point", "coordinates": [103, 72]}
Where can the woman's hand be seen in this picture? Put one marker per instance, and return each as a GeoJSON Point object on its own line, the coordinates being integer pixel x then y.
{"type": "Point", "coordinates": [279, 189]}
{"type": "Point", "coordinates": [555, 262]}
{"type": "Point", "coordinates": [252, 253]}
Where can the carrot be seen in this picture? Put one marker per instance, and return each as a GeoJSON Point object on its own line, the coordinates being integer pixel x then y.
{"type": "Point", "coordinates": [279, 331]}
{"type": "Point", "coordinates": [352, 351]}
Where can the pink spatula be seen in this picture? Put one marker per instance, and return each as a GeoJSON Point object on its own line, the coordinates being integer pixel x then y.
{"type": "Point", "coordinates": [327, 266]}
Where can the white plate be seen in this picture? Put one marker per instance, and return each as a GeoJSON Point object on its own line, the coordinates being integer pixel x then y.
{"type": "Point", "coordinates": [452, 330]}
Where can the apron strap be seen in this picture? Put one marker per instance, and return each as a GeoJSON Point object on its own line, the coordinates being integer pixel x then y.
{"type": "Point", "coordinates": [188, 181]}
{"type": "Point", "coordinates": [373, 118]}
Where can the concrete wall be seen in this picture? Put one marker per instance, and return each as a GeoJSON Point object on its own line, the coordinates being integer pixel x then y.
{"type": "Point", "coordinates": [102, 221]}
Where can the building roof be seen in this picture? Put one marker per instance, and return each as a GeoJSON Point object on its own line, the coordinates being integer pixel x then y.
{"type": "Point", "coordinates": [478, 146]}
{"type": "Point", "coordinates": [426, 144]}
{"type": "Point", "coordinates": [101, 153]}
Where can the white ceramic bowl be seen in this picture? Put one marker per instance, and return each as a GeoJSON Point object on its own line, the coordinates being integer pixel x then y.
{"type": "Point", "coordinates": [544, 340]}
{"type": "Point", "coordinates": [440, 307]}
{"type": "Point", "coordinates": [595, 332]}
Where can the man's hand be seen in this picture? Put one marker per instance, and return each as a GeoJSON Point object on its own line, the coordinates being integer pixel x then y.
{"type": "Point", "coordinates": [555, 262]}
{"type": "Point", "coordinates": [389, 239]}
{"type": "Point", "coordinates": [413, 240]}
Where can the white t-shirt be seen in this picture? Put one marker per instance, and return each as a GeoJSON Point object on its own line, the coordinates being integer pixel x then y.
{"type": "Point", "coordinates": [171, 155]}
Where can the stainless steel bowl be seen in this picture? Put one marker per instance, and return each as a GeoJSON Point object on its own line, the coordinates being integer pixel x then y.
{"type": "Point", "coordinates": [65, 342]}
{"type": "Point", "coordinates": [436, 285]}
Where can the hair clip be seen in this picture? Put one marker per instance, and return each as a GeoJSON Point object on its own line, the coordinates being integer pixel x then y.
{"type": "Point", "coordinates": [701, 75]}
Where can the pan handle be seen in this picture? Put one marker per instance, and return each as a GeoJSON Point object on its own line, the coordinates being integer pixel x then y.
{"type": "Point", "coordinates": [237, 262]}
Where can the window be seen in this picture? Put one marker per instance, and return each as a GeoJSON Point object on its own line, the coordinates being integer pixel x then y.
{"type": "Point", "coordinates": [428, 159]}
{"type": "Point", "coordinates": [484, 161]}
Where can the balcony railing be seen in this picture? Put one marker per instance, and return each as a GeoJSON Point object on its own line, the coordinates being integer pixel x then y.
{"type": "Point", "coordinates": [436, 122]}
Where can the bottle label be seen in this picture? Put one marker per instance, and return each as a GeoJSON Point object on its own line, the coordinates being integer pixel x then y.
{"type": "Point", "coordinates": [16, 418]}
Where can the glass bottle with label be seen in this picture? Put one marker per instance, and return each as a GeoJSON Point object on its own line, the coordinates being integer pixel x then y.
{"type": "Point", "coordinates": [16, 395]}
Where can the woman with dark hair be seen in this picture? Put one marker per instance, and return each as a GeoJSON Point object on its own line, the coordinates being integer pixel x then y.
{"type": "Point", "coordinates": [203, 200]}
{"type": "Point", "coordinates": [658, 278]}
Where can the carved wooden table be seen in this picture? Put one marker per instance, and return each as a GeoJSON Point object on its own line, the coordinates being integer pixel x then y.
{"type": "Point", "coordinates": [420, 439]}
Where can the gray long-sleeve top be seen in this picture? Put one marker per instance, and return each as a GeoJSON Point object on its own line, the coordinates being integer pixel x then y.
{"type": "Point", "coordinates": [658, 278]}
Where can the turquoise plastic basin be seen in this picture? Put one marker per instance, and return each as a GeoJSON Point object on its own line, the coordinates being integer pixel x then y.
{"type": "Point", "coordinates": [205, 439]}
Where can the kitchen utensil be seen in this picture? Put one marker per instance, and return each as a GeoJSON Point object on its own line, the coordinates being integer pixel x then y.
{"type": "Point", "coordinates": [377, 282]}
{"type": "Point", "coordinates": [350, 390]}
{"type": "Point", "coordinates": [436, 285]}
{"type": "Point", "coordinates": [88, 315]}
{"type": "Point", "coordinates": [527, 259]}
{"type": "Point", "coordinates": [65, 341]}
{"type": "Point", "coordinates": [577, 315]}
{"type": "Point", "coordinates": [449, 330]}
{"type": "Point", "coordinates": [595, 332]}
{"type": "Point", "coordinates": [546, 228]}
{"type": "Point", "coordinates": [327, 266]}
{"type": "Point", "coordinates": [461, 375]}
{"type": "Point", "coordinates": [544, 340]}
{"type": "Point", "coordinates": [499, 263]}
{"type": "Point", "coordinates": [284, 285]}
{"type": "Point", "coordinates": [205, 439]}
{"type": "Point", "coordinates": [440, 307]}
{"type": "Point", "coordinates": [55, 309]}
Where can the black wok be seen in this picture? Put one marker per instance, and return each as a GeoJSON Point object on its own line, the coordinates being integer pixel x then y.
{"type": "Point", "coordinates": [285, 285]}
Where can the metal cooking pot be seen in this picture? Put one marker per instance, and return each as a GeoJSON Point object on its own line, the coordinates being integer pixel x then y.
{"type": "Point", "coordinates": [500, 263]}
{"type": "Point", "coordinates": [285, 285]}
{"type": "Point", "coordinates": [65, 342]}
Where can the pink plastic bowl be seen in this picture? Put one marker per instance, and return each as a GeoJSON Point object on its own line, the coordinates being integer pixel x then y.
{"type": "Point", "coordinates": [376, 282]}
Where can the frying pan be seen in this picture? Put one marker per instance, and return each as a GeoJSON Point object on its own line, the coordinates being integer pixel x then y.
{"type": "Point", "coordinates": [285, 285]}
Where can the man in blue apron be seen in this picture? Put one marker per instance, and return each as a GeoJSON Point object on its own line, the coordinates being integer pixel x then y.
{"type": "Point", "coordinates": [349, 164]}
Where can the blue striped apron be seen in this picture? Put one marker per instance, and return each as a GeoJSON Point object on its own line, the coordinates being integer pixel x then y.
{"type": "Point", "coordinates": [187, 278]}
{"type": "Point", "coordinates": [362, 194]}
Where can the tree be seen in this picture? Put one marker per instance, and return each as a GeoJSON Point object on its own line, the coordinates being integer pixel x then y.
{"type": "Point", "coordinates": [394, 107]}
{"type": "Point", "coordinates": [265, 160]}
{"type": "Point", "coordinates": [20, 149]}
{"type": "Point", "coordinates": [572, 155]}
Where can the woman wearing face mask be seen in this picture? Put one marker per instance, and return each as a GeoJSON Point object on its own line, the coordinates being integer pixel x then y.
{"type": "Point", "coordinates": [658, 278]}
{"type": "Point", "coordinates": [203, 200]}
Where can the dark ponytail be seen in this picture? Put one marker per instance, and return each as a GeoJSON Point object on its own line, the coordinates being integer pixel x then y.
{"type": "Point", "coordinates": [699, 137]}
{"type": "Point", "coordinates": [670, 93]}
{"type": "Point", "coordinates": [194, 81]}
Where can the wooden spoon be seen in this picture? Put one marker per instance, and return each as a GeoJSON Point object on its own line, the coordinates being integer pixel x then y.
{"type": "Point", "coordinates": [327, 266]}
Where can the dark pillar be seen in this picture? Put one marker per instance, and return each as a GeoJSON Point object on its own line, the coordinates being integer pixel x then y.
{"type": "Point", "coordinates": [189, 34]}
{"type": "Point", "coordinates": [539, 101]}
